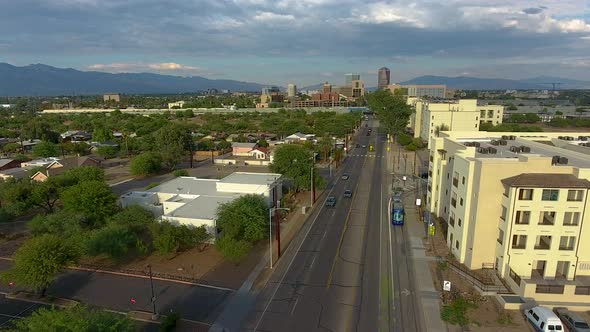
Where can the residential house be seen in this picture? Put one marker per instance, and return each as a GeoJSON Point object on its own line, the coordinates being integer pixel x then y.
{"type": "Point", "coordinates": [259, 153]}
{"type": "Point", "coordinates": [15, 173]}
{"type": "Point", "coordinates": [299, 137]}
{"type": "Point", "coordinates": [7, 163]}
{"type": "Point", "coordinates": [38, 162]}
{"type": "Point", "coordinates": [59, 166]}
{"type": "Point", "coordinates": [28, 145]}
{"type": "Point", "coordinates": [76, 136]}
{"type": "Point", "coordinates": [242, 149]}
{"type": "Point", "coordinates": [194, 202]}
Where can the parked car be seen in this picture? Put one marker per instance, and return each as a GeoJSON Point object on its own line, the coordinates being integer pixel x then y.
{"type": "Point", "coordinates": [345, 176]}
{"type": "Point", "coordinates": [543, 319]}
{"type": "Point", "coordinates": [364, 146]}
{"type": "Point", "coordinates": [348, 193]}
{"type": "Point", "coordinates": [572, 320]}
{"type": "Point", "coordinates": [330, 201]}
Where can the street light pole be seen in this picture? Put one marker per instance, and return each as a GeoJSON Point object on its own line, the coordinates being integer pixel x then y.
{"type": "Point", "coordinates": [270, 212]}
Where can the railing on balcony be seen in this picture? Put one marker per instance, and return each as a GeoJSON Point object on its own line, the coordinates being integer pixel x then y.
{"type": "Point", "coordinates": [549, 289]}
{"type": "Point", "coordinates": [568, 247]}
{"type": "Point", "coordinates": [582, 290]}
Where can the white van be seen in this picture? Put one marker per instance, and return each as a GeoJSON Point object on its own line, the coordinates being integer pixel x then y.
{"type": "Point", "coordinates": [543, 319]}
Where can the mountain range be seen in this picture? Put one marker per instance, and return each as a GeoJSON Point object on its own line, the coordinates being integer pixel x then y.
{"type": "Point", "coordinates": [43, 80]}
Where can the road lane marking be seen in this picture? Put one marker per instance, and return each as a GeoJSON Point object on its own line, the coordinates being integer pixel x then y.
{"type": "Point", "coordinates": [325, 232]}
{"type": "Point", "coordinates": [294, 306]}
{"type": "Point", "coordinates": [292, 259]}
{"type": "Point", "coordinates": [312, 261]}
{"type": "Point", "coordinates": [329, 283]}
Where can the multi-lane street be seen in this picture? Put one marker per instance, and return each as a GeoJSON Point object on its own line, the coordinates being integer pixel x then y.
{"type": "Point", "coordinates": [350, 269]}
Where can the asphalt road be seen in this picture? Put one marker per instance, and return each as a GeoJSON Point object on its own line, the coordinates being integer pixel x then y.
{"type": "Point", "coordinates": [351, 271]}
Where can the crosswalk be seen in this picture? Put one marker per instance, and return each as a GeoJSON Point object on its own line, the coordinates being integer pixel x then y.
{"type": "Point", "coordinates": [366, 155]}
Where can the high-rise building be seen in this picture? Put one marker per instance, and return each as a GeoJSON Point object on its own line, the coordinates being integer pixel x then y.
{"type": "Point", "coordinates": [348, 78]}
{"type": "Point", "coordinates": [327, 88]}
{"type": "Point", "coordinates": [291, 90]}
{"type": "Point", "coordinates": [383, 77]}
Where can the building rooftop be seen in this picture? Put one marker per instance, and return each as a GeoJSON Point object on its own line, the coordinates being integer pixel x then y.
{"type": "Point", "coordinates": [243, 145]}
{"type": "Point", "coordinates": [202, 207]}
{"type": "Point", "coordinates": [546, 180]}
{"type": "Point", "coordinates": [189, 186]}
{"type": "Point", "coordinates": [251, 178]}
{"type": "Point", "coordinates": [5, 161]}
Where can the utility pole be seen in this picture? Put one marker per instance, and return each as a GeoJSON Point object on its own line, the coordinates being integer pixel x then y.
{"type": "Point", "coordinates": [415, 153]}
{"type": "Point", "coordinates": [154, 312]}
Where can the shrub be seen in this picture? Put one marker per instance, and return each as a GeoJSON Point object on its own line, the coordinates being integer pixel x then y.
{"type": "Point", "coordinates": [456, 311]}
{"type": "Point", "coordinates": [233, 250]}
{"type": "Point", "coordinates": [404, 139]}
{"type": "Point", "coordinates": [112, 240]}
{"type": "Point", "coordinates": [169, 323]}
{"type": "Point", "coordinates": [169, 239]}
{"type": "Point", "coordinates": [152, 185]}
{"type": "Point", "coordinates": [145, 164]}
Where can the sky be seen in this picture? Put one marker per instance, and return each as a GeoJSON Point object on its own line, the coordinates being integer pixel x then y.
{"type": "Point", "coordinates": [302, 41]}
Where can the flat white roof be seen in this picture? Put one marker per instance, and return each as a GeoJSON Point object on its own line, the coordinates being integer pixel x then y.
{"type": "Point", "coordinates": [202, 207]}
{"type": "Point", "coordinates": [251, 178]}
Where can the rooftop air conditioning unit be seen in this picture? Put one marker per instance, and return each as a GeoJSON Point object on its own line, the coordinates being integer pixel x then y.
{"type": "Point", "coordinates": [476, 144]}
{"type": "Point", "coordinates": [483, 150]}
{"type": "Point", "coordinates": [560, 137]}
{"type": "Point", "coordinates": [563, 160]}
{"type": "Point", "coordinates": [495, 142]}
{"type": "Point", "coordinates": [554, 160]}
{"type": "Point", "coordinates": [582, 138]}
{"type": "Point", "coordinates": [512, 137]}
{"type": "Point", "coordinates": [467, 144]}
{"type": "Point", "coordinates": [492, 150]}
{"type": "Point", "coordinates": [515, 149]}
{"type": "Point", "coordinates": [504, 137]}
{"type": "Point", "coordinates": [503, 142]}
{"type": "Point", "coordinates": [525, 149]}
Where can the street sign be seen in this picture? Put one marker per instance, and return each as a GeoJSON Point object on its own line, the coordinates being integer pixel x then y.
{"type": "Point", "coordinates": [431, 230]}
{"type": "Point", "coordinates": [418, 201]}
{"type": "Point", "coordinates": [447, 285]}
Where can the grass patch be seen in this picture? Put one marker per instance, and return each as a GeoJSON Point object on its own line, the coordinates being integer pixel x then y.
{"type": "Point", "coordinates": [456, 312]}
{"type": "Point", "coordinates": [152, 185]}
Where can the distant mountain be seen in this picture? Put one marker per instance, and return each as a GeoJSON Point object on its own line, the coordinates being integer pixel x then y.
{"type": "Point", "coordinates": [318, 87]}
{"type": "Point", "coordinates": [43, 80]}
{"type": "Point", "coordinates": [473, 83]}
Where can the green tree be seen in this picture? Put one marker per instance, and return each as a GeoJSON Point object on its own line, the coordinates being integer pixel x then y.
{"type": "Point", "coordinates": [74, 319]}
{"type": "Point", "coordinates": [295, 162]}
{"type": "Point", "coordinates": [11, 148]}
{"type": "Point", "coordinates": [207, 145]}
{"type": "Point", "coordinates": [102, 134]}
{"type": "Point", "coordinates": [79, 149]}
{"type": "Point", "coordinates": [173, 142]}
{"type": "Point", "coordinates": [39, 260]}
{"type": "Point", "coordinates": [169, 238]}
{"type": "Point", "coordinates": [262, 143]}
{"type": "Point", "coordinates": [146, 164]}
{"type": "Point", "coordinates": [112, 240]}
{"type": "Point", "coordinates": [62, 223]}
{"type": "Point", "coordinates": [180, 172]}
{"type": "Point", "coordinates": [244, 218]}
{"type": "Point", "coordinates": [107, 152]}
{"type": "Point", "coordinates": [188, 113]}
{"type": "Point", "coordinates": [45, 194]}
{"type": "Point", "coordinates": [394, 113]}
{"type": "Point", "coordinates": [93, 199]}
{"type": "Point", "coordinates": [81, 174]}
{"type": "Point", "coordinates": [46, 149]}
{"type": "Point", "coordinates": [232, 249]}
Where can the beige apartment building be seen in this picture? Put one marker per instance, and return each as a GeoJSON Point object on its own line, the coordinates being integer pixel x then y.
{"type": "Point", "coordinates": [517, 202]}
{"type": "Point", "coordinates": [430, 118]}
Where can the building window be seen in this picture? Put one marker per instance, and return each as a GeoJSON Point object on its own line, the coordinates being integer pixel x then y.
{"type": "Point", "coordinates": [454, 199]}
{"type": "Point", "coordinates": [550, 289]}
{"type": "Point", "coordinates": [506, 191]}
{"type": "Point", "coordinates": [482, 113]}
{"type": "Point", "coordinates": [523, 217]}
{"type": "Point", "coordinates": [457, 244]}
{"type": "Point", "coordinates": [518, 241]}
{"type": "Point", "coordinates": [463, 180]}
{"type": "Point", "coordinates": [582, 290]}
{"type": "Point", "coordinates": [459, 222]}
{"type": "Point", "coordinates": [456, 180]}
{"type": "Point", "coordinates": [543, 242]}
{"type": "Point", "coordinates": [525, 194]}
{"type": "Point", "coordinates": [571, 218]}
{"type": "Point", "coordinates": [575, 195]}
{"type": "Point", "coordinates": [452, 219]}
{"type": "Point", "coordinates": [567, 243]}
{"type": "Point", "coordinates": [547, 218]}
{"type": "Point", "coordinates": [500, 236]}
{"type": "Point", "coordinates": [550, 194]}
{"type": "Point", "coordinates": [504, 213]}
{"type": "Point", "coordinates": [461, 201]}
{"type": "Point", "coordinates": [451, 240]}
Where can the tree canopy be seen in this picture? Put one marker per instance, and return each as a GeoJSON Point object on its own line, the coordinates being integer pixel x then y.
{"type": "Point", "coordinates": [295, 162]}
{"type": "Point", "coordinates": [394, 113]}
{"type": "Point", "coordinates": [93, 199]}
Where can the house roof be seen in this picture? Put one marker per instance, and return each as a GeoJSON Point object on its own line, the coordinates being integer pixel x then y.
{"type": "Point", "coordinates": [243, 145]}
{"type": "Point", "coordinates": [17, 173]}
{"type": "Point", "coordinates": [298, 134]}
{"type": "Point", "coordinates": [31, 142]}
{"type": "Point", "coordinates": [251, 178]}
{"type": "Point", "coordinates": [546, 180]}
{"type": "Point", "coordinates": [202, 207]}
{"type": "Point", "coordinates": [261, 149]}
{"type": "Point", "coordinates": [5, 161]}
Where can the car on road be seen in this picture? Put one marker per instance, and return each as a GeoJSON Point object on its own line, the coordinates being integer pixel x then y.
{"type": "Point", "coordinates": [345, 176]}
{"type": "Point", "coordinates": [364, 146]}
{"type": "Point", "coordinates": [573, 321]}
{"type": "Point", "coordinates": [358, 145]}
{"type": "Point", "coordinates": [330, 201]}
{"type": "Point", "coordinates": [348, 193]}
{"type": "Point", "coordinates": [398, 192]}
{"type": "Point", "coordinates": [543, 319]}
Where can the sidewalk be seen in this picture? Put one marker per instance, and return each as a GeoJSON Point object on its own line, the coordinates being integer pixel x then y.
{"type": "Point", "coordinates": [427, 295]}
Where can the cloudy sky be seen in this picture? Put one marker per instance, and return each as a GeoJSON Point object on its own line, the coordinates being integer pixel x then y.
{"type": "Point", "coordinates": [302, 41]}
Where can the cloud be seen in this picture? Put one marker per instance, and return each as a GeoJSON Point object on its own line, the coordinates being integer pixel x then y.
{"type": "Point", "coordinates": [532, 11]}
{"type": "Point", "coordinates": [273, 17]}
{"type": "Point", "coordinates": [137, 67]}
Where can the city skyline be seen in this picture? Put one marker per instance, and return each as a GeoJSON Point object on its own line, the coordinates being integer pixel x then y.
{"type": "Point", "coordinates": [274, 44]}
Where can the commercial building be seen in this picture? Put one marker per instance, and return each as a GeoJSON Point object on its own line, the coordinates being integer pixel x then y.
{"type": "Point", "coordinates": [517, 202]}
{"type": "Point", "coordinates": [178, 104]}
{"type": "Point", "coordinates": [291, 90]}
{"type": "Point", "coordinates": [432, 91]}
{"type": "Point", "coordinates": [327, 88]}
{"type": "Point", "coordinates": [351, 77]}
{"type": "Point", "coordinates": [111, 97]}
{"type": "Point", "coordinates": [194, 202]}
{"type": "Point", "coordinates": [270, 95]}
{"type": "Point", "coordinates": [431, 117]}
{"type": "Point", "coordinates": [383, 77]}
